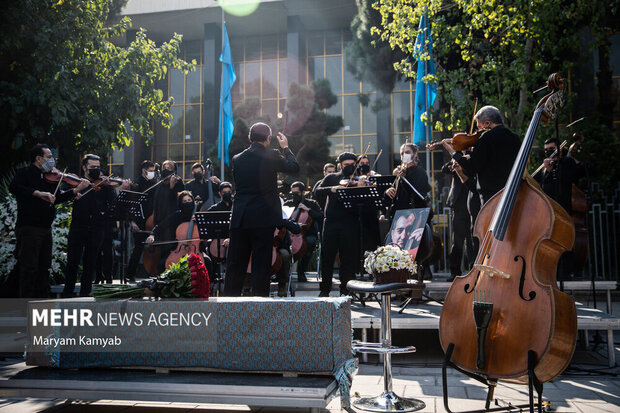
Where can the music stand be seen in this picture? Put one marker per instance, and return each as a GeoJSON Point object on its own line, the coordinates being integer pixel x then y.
{"type": "Point", "coordinates": [215, 225]}
{"type": "Point", "coordinates": [361, 198]}
{"type": "Point", "coordinates": [383, 182]}
{"type": "Point", "coordinates": [127, 206]}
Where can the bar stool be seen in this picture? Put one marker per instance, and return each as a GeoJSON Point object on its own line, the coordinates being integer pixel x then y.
{"type": "Point", "coordinates": [388, 401]}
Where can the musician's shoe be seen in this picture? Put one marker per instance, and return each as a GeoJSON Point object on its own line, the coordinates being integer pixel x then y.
{"type": "Point", "coordinates": [301, 278]}
{"type": "Point", "coordinates": [282, 290]}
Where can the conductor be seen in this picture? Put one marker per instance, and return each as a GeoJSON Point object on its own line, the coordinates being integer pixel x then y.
{"type": "Point", "coordinates": [256, 209]}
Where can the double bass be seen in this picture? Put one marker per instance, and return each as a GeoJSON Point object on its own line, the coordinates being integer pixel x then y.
{"type": "Point", "coordinates": [507, 311]}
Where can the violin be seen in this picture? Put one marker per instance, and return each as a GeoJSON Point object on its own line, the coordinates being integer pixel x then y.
{"type": "Point", "coordinates": [57, 177]}
{"type": "Point", "coordinates": [507, 318]}
{"type": "Point", "coordinates": [361, 180]}
{"type": "Point", "coordinates": [459, 141]}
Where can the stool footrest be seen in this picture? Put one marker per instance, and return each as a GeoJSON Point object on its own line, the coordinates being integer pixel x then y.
{"type": "Point", "coordinates": [376, 348]}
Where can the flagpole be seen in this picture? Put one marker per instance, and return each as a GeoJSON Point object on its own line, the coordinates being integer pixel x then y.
{"type": "Point", "coordinates": [222, 110]}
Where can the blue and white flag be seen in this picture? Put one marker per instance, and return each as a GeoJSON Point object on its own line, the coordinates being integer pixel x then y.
{"type": "Point", "coordinates": [226, 112]}
{"type": "Point", "coordinates": [425, 93]}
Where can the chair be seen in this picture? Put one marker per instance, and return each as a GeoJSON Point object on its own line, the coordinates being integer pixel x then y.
{"type": "Point", "coordinates": [388, 401]}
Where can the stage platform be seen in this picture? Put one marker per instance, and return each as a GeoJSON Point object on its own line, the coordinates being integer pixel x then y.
{"type": "Point", "coordinates": [254, 390]}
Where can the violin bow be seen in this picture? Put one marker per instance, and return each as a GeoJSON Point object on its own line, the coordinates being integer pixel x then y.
{"type": "Point", "coordinates": [59, 181]}
{"type": "Point", "coordinates": [107, 178]}
{"type": "Point", "coordinates": [361, 156]}
{"type": "Point", "coordinates": [537, 171]}
{"type": "Point", "coordinates": [376, 159]}
{"type": "Point", "coordinates": [473, 117]}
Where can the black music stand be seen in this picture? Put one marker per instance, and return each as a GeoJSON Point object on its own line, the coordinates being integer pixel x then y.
{"type": "Point", "coordinates": [361, 198]}
{"type": "Point", "coordinates": [383, 182]}
{"type": "Point", "coordinates": [215, 225]}
{"type": "Point", "coordinates": [127, 206]}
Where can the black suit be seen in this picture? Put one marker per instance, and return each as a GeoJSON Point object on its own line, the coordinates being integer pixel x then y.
{"type": "Point", "coordinates": [491, 160]}
{"type": "Point", "coordinates": [256, 212]}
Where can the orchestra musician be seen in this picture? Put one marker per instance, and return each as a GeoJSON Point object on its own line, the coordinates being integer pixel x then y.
{"type": "Point", "coordinates": [328, 168]}
{"type": "Point", "coordinates": [493, 155]}
{"type": "Point", "coordinates": [299, 200]}
{"type": "Point", "coordinates": [340, 229]}
{"type": "Point", "coordinates": [165, 198]}
{"type": "Point", "coordinates": [199, 186]}
{"type": "Point", "coordinates": [256, 209]}
{"type": "Point", "coordinates": [226, 196]}
{"type": "Point", "coordinates": [35, 213]}
{"type": "Point", "coordinates": [87, 230]}
{"type": "Point", "coordinates": [404, 197]}
{"type": "Point", "coordinates": [145, 181]}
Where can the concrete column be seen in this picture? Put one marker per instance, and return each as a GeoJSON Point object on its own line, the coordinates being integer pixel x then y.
{"type": "Point", "coordinates": [211, 77]}
{"type": "Point", "coordinates": [295, 50]}
{"type": "Point", "coordinates": [384, 138]}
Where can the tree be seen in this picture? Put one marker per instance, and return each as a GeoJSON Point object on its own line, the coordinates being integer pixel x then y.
{"type": "Point", "coordinates": [64, 82]}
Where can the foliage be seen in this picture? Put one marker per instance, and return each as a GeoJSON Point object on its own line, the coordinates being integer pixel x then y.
{"type": "Point", "coordinates": [497, 51]}
{"type": "Point", "coordinates": [368, 57]}
{"type": "Point", "coordinates": [64, 81]}
{"type": "Point", "coordinates": [307, 125]}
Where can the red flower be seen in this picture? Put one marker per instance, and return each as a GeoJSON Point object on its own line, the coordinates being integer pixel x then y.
{"type": "Point", "coordinates": [201, 286]}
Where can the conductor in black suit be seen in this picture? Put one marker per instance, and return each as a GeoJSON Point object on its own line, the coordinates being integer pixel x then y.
{"type": "Point", "coordinates": [256, 209]}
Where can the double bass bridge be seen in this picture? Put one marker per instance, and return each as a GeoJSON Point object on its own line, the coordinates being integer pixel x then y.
{"type": "Point", "coordinates": [491, 271]}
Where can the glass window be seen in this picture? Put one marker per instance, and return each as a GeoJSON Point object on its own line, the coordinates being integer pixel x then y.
{"type": "Point", "coordinates": [283, 86]}
{"type": "Point", "coordinates": [252, 48]}
{"type": "Point", "coordinates": [315, 44]}
{"type": "Point", "coordinates": [333, 69]}
{"type": "Point", "coordinates": [186, 169]}
{"type": "Point", "coordinates": [192, 153]}
{"type": "Point", "coordinates": [282, 106]}
{"type": "Point", "coordinates": [270, 108]}
{"type": "Point", "coordinates": [118, 156]}
{"type": "Point", "coordinates": [351, 84]}
{"type": "Point", "coordinates": [369, 119]}
{"type": "Point", "coordinates": [270, 47]}
{"type": "Point", "coordinates": [193, 86]}
{"type": "Point", "coordinates": [176, 124]}
{"type": "Point", "coordinates": [160, 153]}
{"type": "Point", "coordinates": [176, 85]}
{"type": "Point", "coordinates": [237, 89]}
{"type": "Point", "coordinates": [270, 79]}
{"type": "Point", "coordinates": [336, 146]}
{"type": "Point", "coordinates": [352, 144]}
{"type": "Point", "coordinates": [401, 112]}
{"type": "Point", "coordinates": [399, 140]}
{"type": "Point", "coordinates": [236, 49]}
{"type": "Point", "coordinates": [315, 68]}
{"type": "Point", "coordinates": [252, 79]}
{"type": "Point", "coordinates": [372, 140]}
{"type": "Point", "coordinates": [176, 152]}
{"type": "Point", "coordinates": [402, 84]}
{"type": "Point", "coordinates": [351, 115]}
{"type": "Point", "coordinates": [192, 124]}
{"type": "Point", "coordinates": [336, 110]}
{"type": "Point", "coordinates": [282, 46]}
{"type": "Point", "coordinates": [367, 87]}
{"type": "Point", "coordinates": [332, 43]}
{"type": "Point", "coordinates": [193, 50]}
{"type": "Point", "coordinates": [160, 134]}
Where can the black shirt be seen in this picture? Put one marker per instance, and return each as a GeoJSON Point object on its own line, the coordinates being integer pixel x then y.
{"type": "Point", "coordinates": [165, 200]}
{"type": "Point", "coordinates": [558, 183]}
{"type": "Point", "coordinates": [321, 199]}
{"type": "Point", "coordinates": [491, 160]}
{"type": "Point", "coordinates": [334, 208]}
{"type": "Point", "coordinates": [90, 211]}
{"type": "Point", "coordinates": [315, 212]}
{"type": "Point", "coordinates": [32, 210]}
{"type": "Point", "coordinates": [220, 207]}
{"type": "Point", "coordinates": [201, 189]}
{"type": "Point", "coordinates": [166, 229]}
{"type": "Point", "coordinates": [406, 198]}
{"type": "Point", "coordinates": [141, 185]}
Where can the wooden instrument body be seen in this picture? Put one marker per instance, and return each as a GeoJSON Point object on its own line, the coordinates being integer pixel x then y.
{"type": "Point", "coordinates": [152, 253]}
{"type": "Point", "coordinates": [529, 312]}
{"type": "Point", "coordinates": [184, 247]}
{"type": "Point", "coordinates": [298, 241]}
{"type": "Point", "coordinates": [218, 254]}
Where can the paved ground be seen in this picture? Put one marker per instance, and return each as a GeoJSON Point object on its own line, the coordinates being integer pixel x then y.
{"type": "Point", "coordinates": [588, 385]}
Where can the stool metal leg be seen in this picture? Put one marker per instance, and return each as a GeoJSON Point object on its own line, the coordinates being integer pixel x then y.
{"type": "Point", "coordinates": [388, 401]}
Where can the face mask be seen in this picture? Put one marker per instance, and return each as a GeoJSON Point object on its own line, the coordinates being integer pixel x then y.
{"type": "Point", "coordinates": [364, 169]}
{"type": "Point", "coordinates": [198, 176]}
{"type": "Point", "coordinates": [348, 170]}
{"type": "Point", "coordinates": [94, 173]}
{"type": "Point", "coordinates": [150, 175]}
{"type": "Point", "coordinates": [49, 164]}
{"type": "Point", "coordinates": [187, 208]}
{"type": "Point", "coordinates": [406, 158]}
{"type": "Point", "coordinates": [549, 152]}
{"type": "Point", "coordinates": [297, 197]}
{"type": "Point", "coordinates": [165, 173]}
{"type": "Point", "coordinates": [227, 197]}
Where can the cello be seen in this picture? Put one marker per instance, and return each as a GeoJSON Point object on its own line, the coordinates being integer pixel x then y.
{"type": "Point", "coordinates": [298, 241]}
{"type": "Point", "coordinates": [188, 241]}
{"type": "Point", "coordinates": [506, 319]}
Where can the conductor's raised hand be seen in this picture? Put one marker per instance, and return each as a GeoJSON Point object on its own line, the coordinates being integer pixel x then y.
{"type": "Point", "coordinates": [282, 140]}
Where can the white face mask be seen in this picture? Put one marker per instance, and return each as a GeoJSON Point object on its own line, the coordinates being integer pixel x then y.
{"type": "Point", "coordinates": [150, 175]}
{"type": "Point", "coordinates": [406, 157]}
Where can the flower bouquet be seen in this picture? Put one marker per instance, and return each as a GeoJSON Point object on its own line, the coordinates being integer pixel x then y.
{"type": "Point", "coordinates": [186, 279]}
{"type": "Point", "coordinates": [389, 264]}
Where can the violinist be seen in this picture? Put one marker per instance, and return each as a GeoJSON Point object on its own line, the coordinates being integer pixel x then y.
{"type": "Point", "coordinates": [404, 197]}
{"type": "Point", "coordinates": [144, 182]}
{"type": "Point", "coordinates": [87, 230]}
{"type": "Point", "coordinates": [165, 197]}
{"type": "Point", "coordinates": [298, 200]}
{"type": "Point", "coordinates": [364, 168]}
{"type": "Point", "coordinates": [340, 229]}
{"type": "Point", "coordinates": [199, 186]}
{"type": "Point", "coordinates": [559, 174]}
{"type": "Point", "coordinates": [493, 155]}
{"type": "Point", "coordinates": [256, 209]}
{"type": "Point", "coordinates": [35, 213]}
